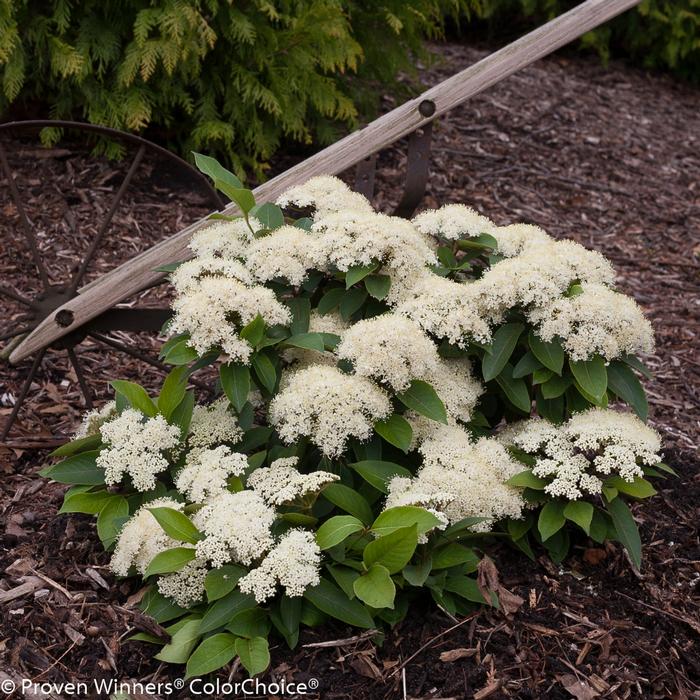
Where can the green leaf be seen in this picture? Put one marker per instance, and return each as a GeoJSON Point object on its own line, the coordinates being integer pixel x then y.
{"type": "Point", "coordinates": [526, 365]}
{"type": "Point", "coordinates": [309, 341]}
{"type": "Point", "coordinates": [328, 598]}
{"type": "Point", "coordinates": [180, 354]}
{"type": "Point", "coordinates": [286, 616]}
{"type": "Point", "coordinates": [352, 301]}
{"type": "Point", "coordinates": [336, 529]}
{"type": "Point", "coordinates": [501, 348]}
{"type": "Point", "coordinates": [177, 525]}
{"type": "Point", "coordinates": [83, 502]}
{"type": "Point", "coordinates": [626, 528]}
{"type": "Point", "coordinates": [358, 273]}
{"type": "Point", "coordinates": [378, 473]}
{"type": "Point", "coordinates": [639, 488]}
{"type": "Point", "coordinates": [555, 387]}
{"type": "Point", "coordinates": [483, 240]}
{"type": "Point", "coordinates": [376, 587]}
{"type": "Point", "coordinates": [182, 415]}
{"type": "Point", "coordinates": [90, 442]}
{"type": "Point", "coordinates": [235, 381]}
{"type": "Point", "coordinates": [220, 613]}
{"type": "Point", "coordinates": [269, 215]}
{"type": "Point", "coordinates": [514, 389]}
{"type": "Point", "coordinates": [250, 623]}
{"type": "Point", "coordinates": [111, 519]}
{"type": "Point", "coordinates": [549, 353]}
{"type": "Point", "coordinates": [301, 315]}
{"type": "Point", "coordinates": [398, 517]}
{"type": "Point", "coordinates": [637, 364]}
{"type": "Point", "coordinates": [169, 561]}
{"type": "Point", "coordinates": [591, 376]}
{"type": "Point", "coordinates": [581, 513]}
{"type": "Point", "coordinates": [136, 395]}
{"type": "Point", "coordinates": [330, 300]}
{"type": "Point", "coordinates": [551, 519]}
{"type": "Point", "coordinates": [254, 654]}
{"type": "Point", "coordinates": [265, 371]}
{"type": "Point", "coordinates": [527, 480]}
{"type": "Point", "coordinates": [542, 375]}
{"type": "Point", "coordinates": [348, 500]}
{"type": "Point", "coordinates": [220, 582]}
{"type": "Point", "coordinates": [378, 286]}
{"type": "Point", "coordinates": [396, 430]}
{"type": "Point", "coordinates": [394, 550]}
{"type": "Point", "coordinates": [213, 653]}
{"type": "Point", "coordinates": [345, 577]}
{"type": "Point", "coordinates": [254, 331]}
{"type": "Point", "coordinates": [173, 391]}
{"type": "Point", "coordinates": [243, 198]}
{"type": "Point", "coordinates": [79, 469]}
{"type": "Point", "coordinates": [211, 167]}
{"type": "Point", "coordinates": [181, 644]}
{"type": "Point", "coordinates": [467, 588]}
{"type": "Point", "coordinates": [454, 554]}
{"type": "Point", "coordinates": [624, 383]}
{"type": "Point", "coordinates": [168, 267]}
{"type": "Point", "coordinates": [160, 608]}
{"type": "Point", "coordinates": [422, 398]}
{"type": "Point", "coordinates": [416, 574]}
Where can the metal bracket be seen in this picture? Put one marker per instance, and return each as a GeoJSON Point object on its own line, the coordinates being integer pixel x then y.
{"type": "Point", "coordinates": [417, 171]}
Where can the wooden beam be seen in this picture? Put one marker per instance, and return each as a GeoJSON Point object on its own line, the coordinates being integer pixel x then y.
{"type": "Point", "coordinates": [139, 273]}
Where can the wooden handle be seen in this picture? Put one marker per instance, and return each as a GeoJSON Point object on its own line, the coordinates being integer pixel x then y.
{"type": "Point", "coordinates": [139, 272]}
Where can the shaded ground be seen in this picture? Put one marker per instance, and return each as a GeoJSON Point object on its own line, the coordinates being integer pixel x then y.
{"type": "Point", "coordinates": [609, 157]}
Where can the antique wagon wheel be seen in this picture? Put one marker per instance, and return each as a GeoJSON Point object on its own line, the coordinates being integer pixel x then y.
{"type": "Point", "coordinates": [47, 276]}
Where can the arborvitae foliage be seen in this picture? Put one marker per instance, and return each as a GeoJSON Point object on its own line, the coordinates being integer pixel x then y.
{"type": "Point", "coordinates": [230, 77]}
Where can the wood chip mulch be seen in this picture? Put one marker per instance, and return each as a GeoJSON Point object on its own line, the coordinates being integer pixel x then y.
{"type": "Point", "coordinates": [608, 157]}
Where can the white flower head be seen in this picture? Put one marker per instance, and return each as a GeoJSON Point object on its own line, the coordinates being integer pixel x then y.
{"type": "Point", "coordinates": [326, 195]}
{"type": "Point", "coordinates": [93, 420]}
{"type": "Point", "coordinates": [452, 222]}
{"type": "Point", "coordinates": [327, 406]}
{"type": "Point", "coordinates": [142, 538]}
{"type": "Point", "coordinates": [213, 424]}
{"type": "Point", "coordinates": [282, 483]}
{"type": "Point", "coordinates": [185, 587]}
{"type": "Point", "coordinates": [236, 528]}
{"type": "Point", "coordinates": [294, 563]}
{"type": "Point", "coordinates": [389, 348]}
{"type": "Point", "coordinates": [214, 311]}
{"type": "Point", "coordinates": [135, 446]}
{"type": "Point", "coordinates": [287, 252]}
{"type": "Point", "coordinates": [206, 472]}
{"type": "Point", "coordinates": [226, 239]}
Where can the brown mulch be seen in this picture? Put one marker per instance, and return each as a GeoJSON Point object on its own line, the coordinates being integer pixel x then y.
{"type": "Point", "coordinates": [606, 156]}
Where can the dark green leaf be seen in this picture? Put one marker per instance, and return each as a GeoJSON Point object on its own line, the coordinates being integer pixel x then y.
{"type": "Point", "coordinates": [514, 389]}
{"type": "Point", "coordinates": [422, 398]}
{"type": "Point", "coordinates": [90, 442]}
{"type": "Point", "coordinates": [351, 302]}
{"type": "Point", "coordinates": [111, 519]}
{"type": "Point", "coordinates": [396, 430]}
{"type": "Point", "coordinates": [378, 286]}
{"type": "Point", "coordinates": [211, 167]}
{"type": "Point", "coordinates": [308, 341]}
{"type": "Point", "coordinates": [526, 479]}
{"type": "Point", "coordinates": [404, 516]}
{"type": "Point", "coordinates": [581, 513]}
{"type": "Point", "coordinates": [254, 331]}
{"type": "Point", "coordinates": [250, 623]}
{"type": "Point", "coordinates": [328, 598]}
{"type": "Point", "coordinates": [336, 529]}
{"type": "Point", "coordinates": [358, 273]}
{"type": "Point", "coordinates": [79, 469]}
{"type": "Point", "coordinates": [220, 582]}
{"type": "Point", "coordinates": [501, 348]}
{"type": "Point", "coordinates": [265, 371]}
{"type": "Point", "coordinates": [549, 353]}
{"type": "Point", "coordinates": [301, 314]}
{"type": "Point", "coordinates": [624, 383]}
{"type": "Point", "coordinates": [591, 376]}
{"type": "Point", "coordinates": [378, 473]}
{"type": "Point", "coordinates": [330, 300]}
{"type": "Point", "coordinates": [213, 653]}
{"type": "Point", "coordinates": [182, 643]}
{"type": "Point", "coordinates": [527, 364]}
{"type": "Point", "coordinates": [348, 500]}
{"type": "Point", "coordinates": [176, 524]}
{"type": "Point", "coordinates": [454, 554]}
{"type": "Point", "coordinates": [551, 519]}
{"type": "Point", "coordinates": [235, 381]}
{"type": "Point", "coordinates": [269, 215]}
{"type": "Point", "coordinates": [169, 561]}
{"type": "Point", "coordinates": [394, 550]}
{"type": "Point", "coordinates": [173, 391]}
{"type": "Point", "coordinates": [626, 528]}
{"type": "Point", "coordinates": [555, 387]}
{"type": "Point", "coordinates": [254, 654]}
{"type": "Point", "coordinates": [220, 613]}
{"type": "Point", "coordinates": [136, 395]}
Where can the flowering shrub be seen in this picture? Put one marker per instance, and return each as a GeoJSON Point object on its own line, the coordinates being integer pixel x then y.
{"type": "Point", "coordinates": [376, 382]}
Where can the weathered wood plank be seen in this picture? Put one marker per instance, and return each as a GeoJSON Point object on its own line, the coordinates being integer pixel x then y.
{"type": "Point", "coordinates": [139, 273]}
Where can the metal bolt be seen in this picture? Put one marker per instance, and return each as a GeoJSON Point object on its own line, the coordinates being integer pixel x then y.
{"type": "Point", "coordinates": [427, 108]}
{"type": "Point", "coordinates": [64, 318]}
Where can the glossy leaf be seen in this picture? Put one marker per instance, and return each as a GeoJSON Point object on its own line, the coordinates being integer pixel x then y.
{"type": "Point", "coordinates": [501, 348]}
{"type": "Point", "coordinates": [213, 653]}
{"type": "Point", "coordinates": [328, 598]}
{"type": "Point", "coordinates": [581, 513]}
{"type": "Point", "coordinates": [591, 375]}
{"type": "Point", "coordinates": [378, 473]}
{"type": "Point", "coordinates": [176, 524]}
{"type": "Point", "coordinates": [394, 550]}
{"type": "Point", "coordinates": [551, 519]}
{"type": "Point", "coordinates": [336, 529]}
{"type": "Point", "coordinates": [396, 430]}
{"type": "Point", "coordinates": [626, 528]}
{"type": "Point", "coordinates": [375, 587]}
{"type": "Point", "coordinates": [549, 353]}
{"type": "Point", "coordinates": [235, 381]}
{"type": "Point", "coordinates": [422, 398]}
{"type": "Point", "coordinates": [624, 383]}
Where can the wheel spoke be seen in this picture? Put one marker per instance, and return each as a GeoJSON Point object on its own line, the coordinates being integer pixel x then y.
{"type": "Point", "coordinates": [87, 394]}
{"type": "Point", "coordinates": [26, 224]}
{"type": "Point", "coordinates": [107, 220]}
{"type": "Point", "coordinates": [22, 394]}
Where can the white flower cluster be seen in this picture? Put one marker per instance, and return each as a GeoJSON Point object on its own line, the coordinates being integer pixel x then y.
{"type": "Point", "coordinates": [93, 420]}
{"type": "Point", "coordinates": [452, 222]}
{"type": "Point", "coordinates": [598, 320]}
{"type": "Point", "coordinates": [591, 445]}
{"type": "Point", "coordinates": [461, 478]}
{"type": "Point", "coordinates": [213, 424]}
{"type": "Point", "coordinates": [225, 239]}
{"type": "Point", "coordinates": [135, 446]}
{"type": "Point", "coordinates": [185, 587]}
{"type": "Point", "coordinates": [282, 483]}
{"type": "Point", "coordinates": [328, 406]}
{"type": "Point", "coordinates": [326, 195]}
{"type": "Point", "coordinates": [287, 252]}
{"type": "Point", "coordinates": [206, 472]}
{"type": "Point", "coordinates": [141, 538]}
{"type": "Point", "coordinates": [389, 348]}
{"type": "Point", "coordinates": [294, 563]}
{"type": "Point", "coordinates": [236, 528]}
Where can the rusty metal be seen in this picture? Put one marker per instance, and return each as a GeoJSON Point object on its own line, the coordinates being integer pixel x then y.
{"type": "Point", "coordinates": [364, 176]}
{"type": "Point", "coordinates": [417, 169]}
{"type": "Point", "coordinates": [52, 296]}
